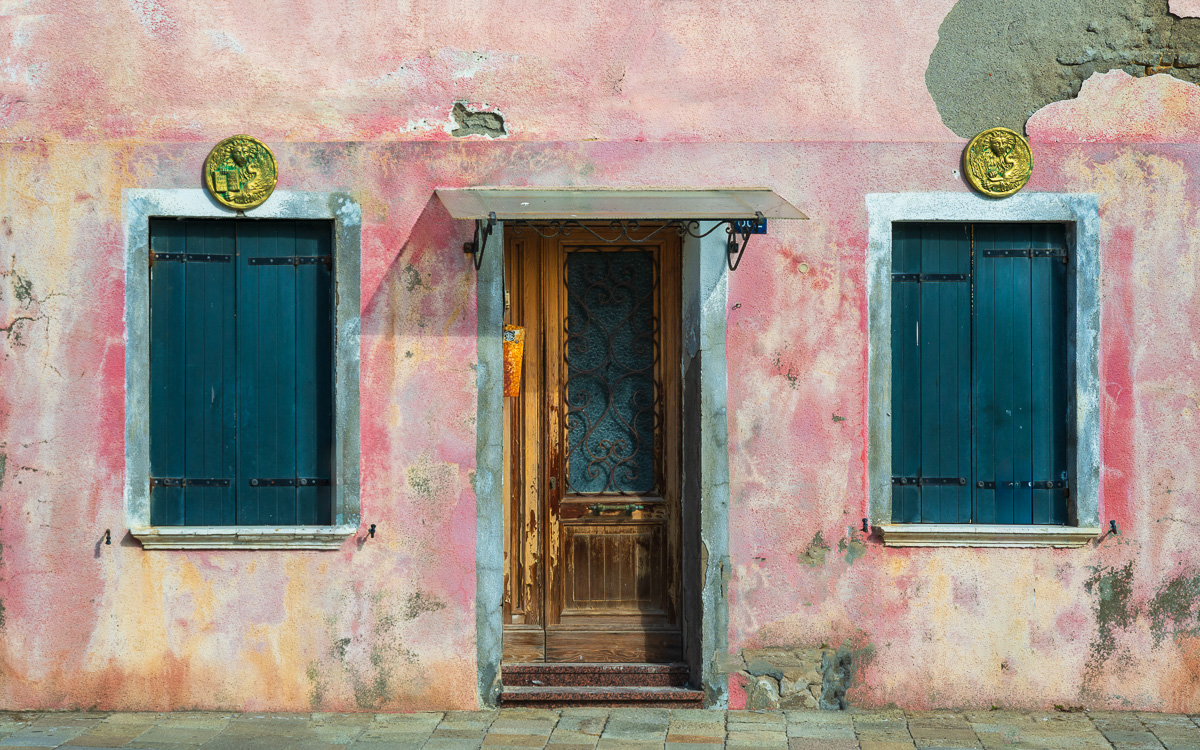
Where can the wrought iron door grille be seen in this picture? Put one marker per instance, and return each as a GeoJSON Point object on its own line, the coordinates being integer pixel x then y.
{"type": "Point", "coordinates": [613, 391]}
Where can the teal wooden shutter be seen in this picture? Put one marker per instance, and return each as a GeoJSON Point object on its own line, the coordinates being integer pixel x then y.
{"type": "Point", "coordinates": [193, 439]}
{"type": "Point", "coordinates": [931, 373]}
{"type": "Point", "coordinates": [284, 353]}
{"type": "Point", "coordinates": [1021, 374]}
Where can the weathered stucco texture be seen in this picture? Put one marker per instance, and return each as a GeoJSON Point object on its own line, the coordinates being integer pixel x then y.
{"type": "Point", "coordinates": [823, 101]}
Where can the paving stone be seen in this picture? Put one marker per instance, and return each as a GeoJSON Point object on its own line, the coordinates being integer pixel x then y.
{"type": "Point", "coordinates": [696, 730]}
{"type": "Point", "coordinates": [811, 743]}
{"type": "Point", "coordinates": [422, 719]}
{"type": "Point", "coordinates": [516, 740]}
{"type": "Point", "coordinates": [821, 731]}
{"type": "Point", "coordinates": [698, 715]}
{"type": "Point", "coordinates": [609, 743]}
{"type": "Point", "coordinates": [505, 725]}
{"type": "Point", "coordinates": [468, 719]}
{"type": "Point", "coordinates": [695, 739]}
{"type": "Point", "coordinates": [436, 743]}
{"type": "Point", "coordinates": [405, 736]}
{"type": "Point", "coordinates": [107, 734]}
{"type": "Point", "coordinates": [756, 739]}
{"type": "Point", "coordinates": [591, 723]}
{"type": "Point", "coordinates": [389, 745]}
{"type": "Point", "coordinates": [532, 714]}
{"type": "Point", "coordinates": [1132, 740]}
{"type": "Point", "coordinates": [754, 717]}
{"type": "Point", "coordinates": [42, 735]}
{"type": "Point", "coordinates": [688, 746]}
{"type": "Point", "coordinates": [885, 745]}
{"type": "Point", "coordinates": [562, 736]}
{"type": "Point", "coordinates": [449, 733]}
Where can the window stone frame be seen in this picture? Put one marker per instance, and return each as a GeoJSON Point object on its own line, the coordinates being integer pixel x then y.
{"type": "Point", "coordinates": [1081, 213]}
{"type": "Point", "coordinates": [138, 207]}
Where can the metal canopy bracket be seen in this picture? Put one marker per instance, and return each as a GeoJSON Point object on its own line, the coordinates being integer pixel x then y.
{"type": "Point", "coordinates": [618, 215]}
{"type": "Point", "coordinates": [482, 231]}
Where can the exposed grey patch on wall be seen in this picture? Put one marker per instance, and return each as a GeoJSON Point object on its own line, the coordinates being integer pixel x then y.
{"type": "Point", "coordinates": [470, 122]}
{"type": "Point", "coordinates": [999, 61]}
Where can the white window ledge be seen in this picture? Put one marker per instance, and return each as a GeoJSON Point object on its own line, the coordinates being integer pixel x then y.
{"type": "Point", "coordinates": [243, 537]}
{"type": "Point", "coordinates": [984, 535]}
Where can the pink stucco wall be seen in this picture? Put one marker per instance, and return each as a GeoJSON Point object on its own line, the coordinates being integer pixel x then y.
{"type": "Point", "coordinates": [824, 101]}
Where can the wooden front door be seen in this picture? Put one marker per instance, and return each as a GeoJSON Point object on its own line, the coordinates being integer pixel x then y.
{"type": "Point", "coordinates": [593, 450]}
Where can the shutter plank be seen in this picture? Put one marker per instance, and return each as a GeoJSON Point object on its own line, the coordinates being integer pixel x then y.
{"type": "Point", "coordinates": [956, 400]}
{"type": "Point", "coordinates": [314, 374]}
{"type": "Point", "coordinates": [906, 373]}
{"type": "Point", "coordinates": [1003, 423]}
{"type": "Point", "coordinates": [1022, 379]}
{"type": "Point", "coordinates": [168, 296]}
{"type": "Point", "coordinates": [985, 374]}
{"type": "Point", "coordinates": [249, 345]}
{"type": "Point", "coordinates": [1042, 370]}
{"type": "Point", "coordinates": [208, 435]}
{"type": "Point", "coordinates": [931, 370]}
{"type": "Point", "coordinates": [1050, 370]}
{"type": "Point", "coordinates": [283, 449]}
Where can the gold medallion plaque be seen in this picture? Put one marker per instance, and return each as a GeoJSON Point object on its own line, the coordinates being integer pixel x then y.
{"type": "Point", "coordinates": [240, 172]}
{"type": "Point", "coordinates": [998, 162]}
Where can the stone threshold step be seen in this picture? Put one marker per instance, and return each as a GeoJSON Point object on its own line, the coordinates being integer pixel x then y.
{"type": "Point", "coordinates": [556, 697]}
{"type": "Point", "coordinates": [594, 675]}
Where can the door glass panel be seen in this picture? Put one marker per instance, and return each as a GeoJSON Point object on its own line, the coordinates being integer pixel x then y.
{"type": "Point", "coordinates": [612, 394]}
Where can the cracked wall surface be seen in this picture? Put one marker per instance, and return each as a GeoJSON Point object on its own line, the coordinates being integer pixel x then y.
{"type": "Point", "coordinates": [999, 61]}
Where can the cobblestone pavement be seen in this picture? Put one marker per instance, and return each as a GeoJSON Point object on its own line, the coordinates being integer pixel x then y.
{"type": "Point", "coordinates": [605, 729]}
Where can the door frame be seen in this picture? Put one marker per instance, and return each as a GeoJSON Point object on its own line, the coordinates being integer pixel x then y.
{"type": "Point", "coordinates": [705, 436]}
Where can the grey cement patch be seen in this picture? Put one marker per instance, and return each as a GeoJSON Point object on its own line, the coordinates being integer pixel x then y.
{"type": "Point", "coordinates": [999, 61]}
{"type": "Point", "coordinates": [138, 207]}
{"type": "Point", "coordinates": [1081, 212]}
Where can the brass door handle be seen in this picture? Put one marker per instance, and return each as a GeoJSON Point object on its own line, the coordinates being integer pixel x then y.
{"type": "Point", "coordinates": [628, 509]}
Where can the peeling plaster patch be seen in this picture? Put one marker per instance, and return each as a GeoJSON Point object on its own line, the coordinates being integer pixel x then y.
{"type": "Point", "coordinates": [476, 122]}
{"type": "Point", "coordinates": [3, 466]}
{"type": "Point", "coordinates": [1185, 8]}
{"type": "Point", "coordinates": [999, 61]}
{"type": "Point", "coordinates": [1117, 107]}
{"type": "Point", "coordinates": [814, 553]}
{"type": "Point", "coordinates": [476, 63]}
{"type": "Point", "coordinates": [853, 549]}
{"type": "Point", "coordinates": [223, 41]}
{"type": "Point", "coordinates": [153, 17]}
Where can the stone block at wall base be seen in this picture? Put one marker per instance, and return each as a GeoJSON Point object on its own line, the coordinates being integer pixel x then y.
{"type": "Point", "coordinates": [791, 679]}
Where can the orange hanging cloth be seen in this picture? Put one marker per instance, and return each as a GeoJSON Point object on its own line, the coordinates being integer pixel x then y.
{"type": "Point", "coordinates": [514, 351]}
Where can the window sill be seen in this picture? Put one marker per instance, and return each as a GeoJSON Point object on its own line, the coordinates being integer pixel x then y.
{"type": "Point", "coordinates": [984, 535]}
{"type": "Point", "coordinates": [243, 537]}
